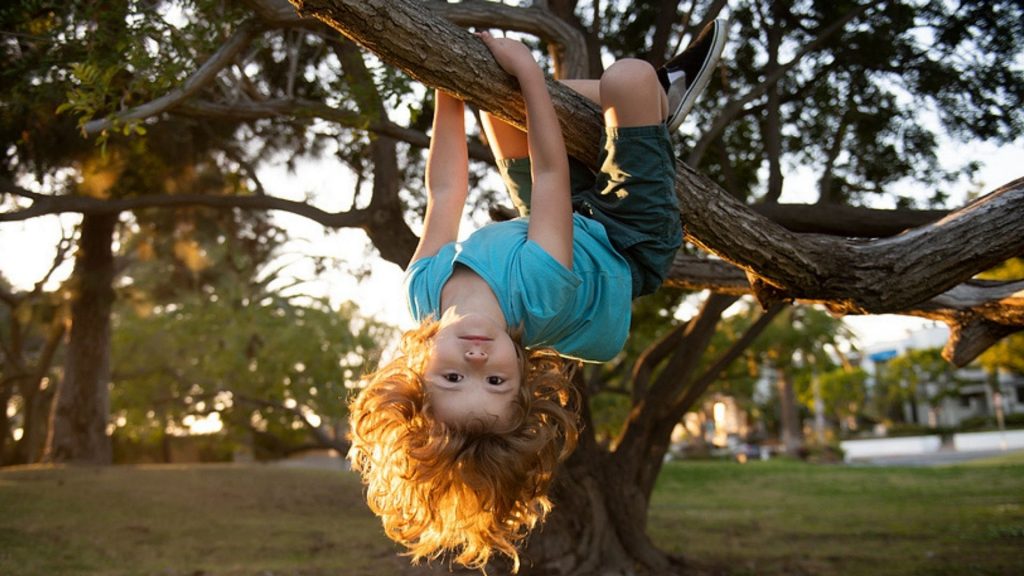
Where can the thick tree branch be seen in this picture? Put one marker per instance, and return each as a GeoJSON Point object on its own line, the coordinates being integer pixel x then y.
{"type": "Point", "coordinates": [849, 221]}
{"type": "Point", "coordinates": [570, 53]}
{"type": "Point", "coordinates": [440, 54]}
{"type": "Point", "coordinates": [988, 310]}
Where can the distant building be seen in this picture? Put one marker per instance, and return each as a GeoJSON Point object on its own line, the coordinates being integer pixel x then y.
{"type": "Point", "coordinates": [948, 404]}
{"type": "Point", "coordinates": [719, 422]}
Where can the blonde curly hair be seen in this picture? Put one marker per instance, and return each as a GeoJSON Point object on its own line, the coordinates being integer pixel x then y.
{"type": "Point", "coordinates": [461, 489]}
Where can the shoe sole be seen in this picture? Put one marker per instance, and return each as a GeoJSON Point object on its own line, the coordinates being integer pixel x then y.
{"type": "Point", "coordinates": [701, 82]}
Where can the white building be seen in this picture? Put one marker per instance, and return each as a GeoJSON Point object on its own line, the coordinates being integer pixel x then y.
{"type": "Point", "coordinates": [975, 398]}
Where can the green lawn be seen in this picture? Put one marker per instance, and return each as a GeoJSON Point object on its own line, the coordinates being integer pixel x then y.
{"type": "Point", "coordinates": [786, 518]}
{"type": "Point", "coordinates": [769, 518]}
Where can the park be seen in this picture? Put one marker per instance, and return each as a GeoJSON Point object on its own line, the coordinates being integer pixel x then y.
{"type": "Point", "coordinates": [174, 342]}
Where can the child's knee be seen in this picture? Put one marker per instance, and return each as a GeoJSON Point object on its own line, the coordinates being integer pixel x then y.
{"type": "Point", "coordinates": [629, 74]}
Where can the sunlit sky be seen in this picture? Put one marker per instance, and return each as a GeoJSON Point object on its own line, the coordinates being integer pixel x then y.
{"type": "Point", "coordinates": [27, 248]}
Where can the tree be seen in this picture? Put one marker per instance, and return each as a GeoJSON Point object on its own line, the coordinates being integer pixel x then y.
{"type": "Point", "coordinates": [34, 326]}
{"type": "Point", "coordinates": [604, 490]}
{"type": "Point", "coordinates": [916, 376]}
{"type": "Point", "coordinates": [274, 370]}
{"type": "Point", "coordinates": [785, 266]}
{"type": "Point", "coordinates": [801, 345]}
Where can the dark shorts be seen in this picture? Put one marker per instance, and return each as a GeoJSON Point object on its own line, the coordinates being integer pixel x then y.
{"type": "Point", "coordinates": [633, 196]}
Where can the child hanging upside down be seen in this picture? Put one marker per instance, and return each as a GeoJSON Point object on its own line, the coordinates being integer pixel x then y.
{"type": "Point", "coordinates": [457, 438]}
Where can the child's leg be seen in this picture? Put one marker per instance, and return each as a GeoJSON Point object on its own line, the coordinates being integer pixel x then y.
{"type": "Point", "coordinates": [634, 196]}
{"type": "Point", "coordinates": [506, 140]}
{"type": "Point", "coordinates": [632, 95]}
{"type": "Point", "coordinates": [511, 152]}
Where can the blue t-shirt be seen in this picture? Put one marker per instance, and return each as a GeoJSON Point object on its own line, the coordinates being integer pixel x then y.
{"type": "Point", "coordinates": [583, 313]}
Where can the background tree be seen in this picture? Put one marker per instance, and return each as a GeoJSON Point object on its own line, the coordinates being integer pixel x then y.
{"type": "Point", "coordinates": [34, 324]}
{"type": "Point", "coordinates": [843, 391]}
{"type": "Point", "coordinates": [799, 346]}
{"type": "Point", "coordinates": [274, 372]}
{"type": "Point", "coordinates": [920, 377]}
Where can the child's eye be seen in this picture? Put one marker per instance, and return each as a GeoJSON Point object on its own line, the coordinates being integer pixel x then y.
{"type": "Point", "coordinates": [495, 380]}
{"type": "Point", "coordinates": [452, 377]}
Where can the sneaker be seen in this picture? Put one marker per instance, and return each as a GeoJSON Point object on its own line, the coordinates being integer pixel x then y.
{"type": "Point", "coordinates": [685, 76]}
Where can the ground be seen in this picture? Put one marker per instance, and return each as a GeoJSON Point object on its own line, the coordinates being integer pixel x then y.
{"type": "Point", "coordinates": [761, 518]}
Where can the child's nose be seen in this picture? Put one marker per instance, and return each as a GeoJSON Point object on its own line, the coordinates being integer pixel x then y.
{"type": "Point", "coordinates": [476, 355]}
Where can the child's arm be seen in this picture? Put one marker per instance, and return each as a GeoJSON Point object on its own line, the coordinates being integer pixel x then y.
{"type": "Point", "coordinates": [551, 207]}
{"type": "Point", "coordinates": [447, 176]}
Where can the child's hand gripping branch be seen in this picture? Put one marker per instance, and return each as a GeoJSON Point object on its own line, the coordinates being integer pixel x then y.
{"type": "Point", "coordinates": [458, 437]}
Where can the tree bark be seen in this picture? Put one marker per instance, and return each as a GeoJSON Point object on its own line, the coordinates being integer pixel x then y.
{"type": "Point", "coordinates": [78, 421]}
{"type": "Point", "coordinates": [789, 415]}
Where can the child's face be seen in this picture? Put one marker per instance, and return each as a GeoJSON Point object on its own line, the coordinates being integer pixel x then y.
{"type": "Point", "coordinates": [472, 370]}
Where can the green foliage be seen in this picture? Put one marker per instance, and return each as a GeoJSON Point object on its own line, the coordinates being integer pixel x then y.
{"type": "Point", "coordinates": [806, 343]}
{"type": "Point", "coordinates": [207, 323]}
{"type": "Point", "coordinates": [260, 365]}
{"type": "Point", "coordinates": [843, 391]}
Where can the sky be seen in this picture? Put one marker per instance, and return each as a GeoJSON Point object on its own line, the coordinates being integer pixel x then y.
{"type": "Point", "coordinates": [27, 248]}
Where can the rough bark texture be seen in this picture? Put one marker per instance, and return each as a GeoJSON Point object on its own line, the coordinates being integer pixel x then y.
{"type": "Point", "coordinates": [78, 424]}
{"type": "Point", "coordinates": [789, 414]}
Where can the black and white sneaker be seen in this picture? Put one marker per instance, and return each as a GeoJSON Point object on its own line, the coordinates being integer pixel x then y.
{"type": "Point", "coordinates": [686, 75]}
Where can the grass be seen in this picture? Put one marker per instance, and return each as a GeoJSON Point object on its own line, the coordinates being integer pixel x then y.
{"type": "Point", "coordinates": [765, 518]}
{"type": "Point", "coordinates": [786, 518]}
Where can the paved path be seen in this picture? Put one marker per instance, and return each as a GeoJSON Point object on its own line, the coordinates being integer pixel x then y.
{"type": "Point", "coordinates": [940, 458]}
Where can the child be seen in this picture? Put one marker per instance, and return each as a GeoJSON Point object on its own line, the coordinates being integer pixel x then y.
{"type": "Point", "coordinates": [457, 438]}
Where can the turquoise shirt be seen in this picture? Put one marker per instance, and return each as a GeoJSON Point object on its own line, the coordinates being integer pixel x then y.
{"type": "Point", "coordinates": [583, 313]}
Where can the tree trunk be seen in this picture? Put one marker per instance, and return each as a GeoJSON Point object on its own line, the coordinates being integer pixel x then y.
{"type": "Point", "coordinates": [78, 421]}
{"type": "Point", "coordinates": [789, 415]}
{"type": "Point", "coordinates": [5, 396]}
{"type": "Point", "coordinates": [37, 394]}
{"type": "Point", "coordinates": [598, 525]}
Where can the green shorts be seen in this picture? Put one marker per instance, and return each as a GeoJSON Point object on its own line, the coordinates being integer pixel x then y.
{"type": "Point", "coordinates": [633, 196]}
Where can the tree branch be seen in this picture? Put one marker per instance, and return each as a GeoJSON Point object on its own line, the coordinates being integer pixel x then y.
{"type": "Point", "coordinates": [686, 396]}
{"type": "Point", "coordinates": [206, 73]}
{"type": "Point", "coordinates": [975, 308]}
{"type": "Point", "coordinates": [570, 57]}
{"type": "Point", "coordinates": [44, 204]}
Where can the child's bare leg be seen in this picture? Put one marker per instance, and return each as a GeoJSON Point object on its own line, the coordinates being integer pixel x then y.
{"type": "Point", "coordinates": [631, 94]}
{"type": "Point", "coordinates": [506, 140]}
{"type": "Point", "coordinates": [590, 89]}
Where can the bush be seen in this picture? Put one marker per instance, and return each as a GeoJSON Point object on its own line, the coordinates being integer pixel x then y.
{"type": "Point", "coordinates": [979, 423]}
{"type": "Point", "coordinates": [906, 429]}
